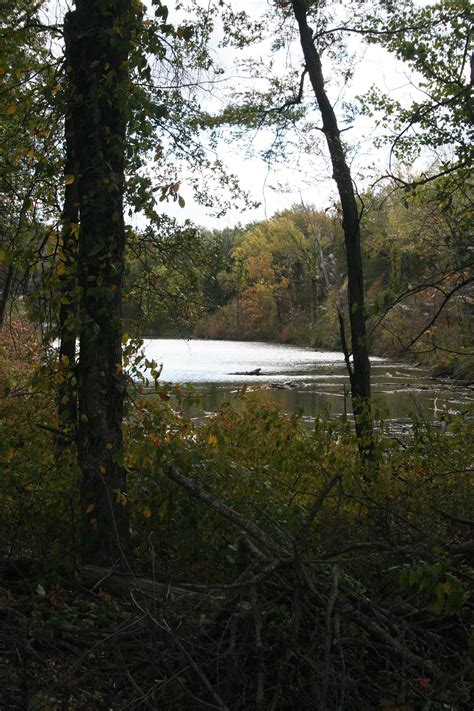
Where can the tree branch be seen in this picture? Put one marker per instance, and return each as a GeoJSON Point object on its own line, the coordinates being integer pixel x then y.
{"type": "Point", "coordinates": [197, 490]}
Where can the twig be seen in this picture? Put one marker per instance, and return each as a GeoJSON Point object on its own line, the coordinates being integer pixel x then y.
{"type": "Point", "coordinates": [163, 625]}
{"type": "Point", "coordinates": [259, 651]}
{"type": "Point", "coordinates": [456, 519]}
{"type": "Point", "coordinates": [375, 630]}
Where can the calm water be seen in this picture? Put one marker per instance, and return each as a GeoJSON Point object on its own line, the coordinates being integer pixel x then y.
{"type": "Point", "coordinates": [301, 378]}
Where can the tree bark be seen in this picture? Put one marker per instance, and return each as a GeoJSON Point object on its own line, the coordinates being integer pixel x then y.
{"type": "Point", "coordinates": [6, 294]}
{"type": "Point", "coordinates": [359, 372]}
{"type": "Point", "coordinates": [67, 395]}
{"type": "Point", "coordinates": [100, 42]}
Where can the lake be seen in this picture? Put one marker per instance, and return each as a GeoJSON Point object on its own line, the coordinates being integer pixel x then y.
{"type": "Point", "coordinates": [312, 380]}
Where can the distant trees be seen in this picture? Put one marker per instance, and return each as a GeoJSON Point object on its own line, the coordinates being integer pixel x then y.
{"type": "Point", "coordinates": [166, 289]}
{"type": "Point", "coordinates": [273, 279]}
{"type": "Point", "coordinates": [279, 285]}
{"type": "Point", "coordinates": [436, 126]}
{"type": "Point", "coordinates": [419, 268]}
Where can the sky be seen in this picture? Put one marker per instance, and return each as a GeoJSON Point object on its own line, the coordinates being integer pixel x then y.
{"type": "Point", "coordinates": [306, 177]}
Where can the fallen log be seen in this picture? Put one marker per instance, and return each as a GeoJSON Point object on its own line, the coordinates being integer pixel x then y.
{"type": "Point", "coordinates": [257, 371]}
{"type": "Point", "coordinates": [122, 584]}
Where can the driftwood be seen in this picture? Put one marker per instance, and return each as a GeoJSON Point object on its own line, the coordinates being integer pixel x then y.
{"type": "Point", "coordinates": [257, 371]}
{"type": "Point", "coordinates": [289, 385]}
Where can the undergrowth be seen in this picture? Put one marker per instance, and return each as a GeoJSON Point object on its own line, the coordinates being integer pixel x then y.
{"type": "Point", "coordinates": [354, 586]}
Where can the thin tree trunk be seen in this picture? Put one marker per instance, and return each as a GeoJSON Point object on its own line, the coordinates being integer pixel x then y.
{"type": "Point", "coordinates": [359, 373]}
{"type": "Point", "coordinates": [99, 49]}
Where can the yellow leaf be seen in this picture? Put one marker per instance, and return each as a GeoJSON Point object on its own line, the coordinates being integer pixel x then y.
{"type": "Point", "coordinates": [93, 523]}
{"type": "Point", "coordinates": [10, 109]}
{"type": "Point", "coordinates": [102, 469]}
{"type": "Point", "coordinates": [147, 512]}
{"type": "Point", "coordinates": [212, 440]}
{"type": "Point", "coordinates": [108, 445]}
{"type": "Point", "coordinates": [90, 508]}
{"type": "Point", "coordinates": [69, 179]}
{"type": "Point", "coordinates": [60, 268]}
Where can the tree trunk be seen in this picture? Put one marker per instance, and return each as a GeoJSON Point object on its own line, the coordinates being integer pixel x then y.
{"type": "Point", "coordinates": [359, 371]}
{"type": "Point", "coordinates": [99, 46]}
{"type": "Point", "coordinates": [67, 395]}
{"type": "Point", "coordinates": [6, 294]}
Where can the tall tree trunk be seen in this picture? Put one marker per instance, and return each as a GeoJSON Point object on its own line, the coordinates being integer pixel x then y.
{"type": "Point", "coordinates": [359, 370]}
{"type": "Point", "coordinates": [67, 396]}
{"type": "Point", "coordinates": [99, 47]}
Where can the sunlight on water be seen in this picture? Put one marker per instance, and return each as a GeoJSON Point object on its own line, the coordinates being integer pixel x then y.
{"type": "Point", "coordinates": [203, 361]}
{"type": "Point", "coordinates": [301, 378]}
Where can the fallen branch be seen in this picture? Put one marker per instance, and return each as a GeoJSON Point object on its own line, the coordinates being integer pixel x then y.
{"type": "Point", "coordinates": [301, 540]}
{"type": "Point", "coordinates": [197, 490]}
{"type": "Point", "coordinates": [121, 584]}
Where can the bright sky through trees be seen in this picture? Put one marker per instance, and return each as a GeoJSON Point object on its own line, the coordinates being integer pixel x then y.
{"type": "Point", "coordinates": [304, 175]}
{"type": "Point", "coordinates": [277, 186]}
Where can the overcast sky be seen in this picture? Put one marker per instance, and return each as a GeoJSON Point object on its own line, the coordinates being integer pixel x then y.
{"type": "Point", "coordinates": [277, 187]}
{"type": "Point", "coordinates": [306, 177]}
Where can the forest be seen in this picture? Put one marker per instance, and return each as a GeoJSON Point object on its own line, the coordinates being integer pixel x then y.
{"type": "Point", "coordinates": [242, 559]}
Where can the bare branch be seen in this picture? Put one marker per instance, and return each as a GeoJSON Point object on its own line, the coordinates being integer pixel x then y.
{"type": "Point", "coordinates": [303, 534]}
{"type": "Point", "coordinates": [198, 491]}
{"type": "Point", "coordinates": [438, 311]}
